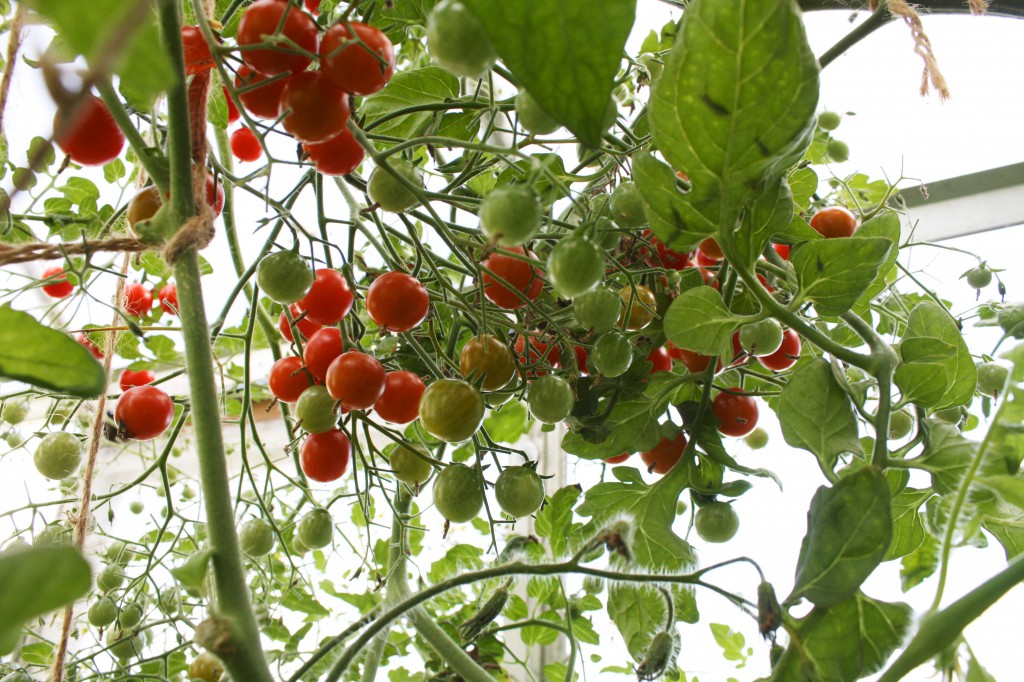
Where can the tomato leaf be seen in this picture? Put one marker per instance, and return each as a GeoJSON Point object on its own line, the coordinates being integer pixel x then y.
{"type": "Point", "coordinates": [769, 213]}
{"type": "Point", "coordinates": [919, 564]}
{"type": "Point", "coordinates": [834, 273]}
{"type": "Point", "coordinates": [886, 226]}
{"type": "Point", "coordinates": [947, 455]}
{"type": "Point", "coordinates": [571, 74]}
{"type": "Point", "coordinates": [44, 357]}
{"type": "Point", "coordinates": [554, 521]}
{"type": "Point", "coordinates": [673, 218]}
{"type": "Point", "coordinates": [699, 321]}
{"type": "Point", "coordinates": [936, 368]}
{"type": "Point", "coordinates": [735, 103]}
{"type": "Point", "coordinates": [817, 415]}
{"type": "Point", "coordinates": [803, 182]}
{"type": "Point", "coordinates": [35, 581]}
{"type": "Point", "coordinates": [416, 87]}
{"type": "Point", "coordinates": [907, 526]}
{"type": "Point", "coordinates": [849, 527]}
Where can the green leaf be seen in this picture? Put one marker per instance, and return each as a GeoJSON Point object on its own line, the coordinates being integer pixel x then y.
{"type": "Point", "coordinates": [803, 182]}
{"type": "Point", "coordinates": [508, 423]}
{"type": "Point", "coordinates": [671, 218]}
{"type": "Point", "coordinates": [977, 673]}
{"type": "Point", "coordinates": [917, 566]}
{"type": "Point", "coordinates": [429, 85]}
{"type": "Point", "coordinates": [571, 73]}
{"type": "Point", "coordinates": [1008, 488]}
{"type": "Point", "coordinates": [936, 368]}
{"type": "Point", "coordinates": [907, 526]}
{"type": "Point", "coordinates": [397, 17]}
{"type": "Point", "coordinates": [217, 108]}
{"type": "Point", "coordinates": [834, 273]}
{"type": "Point", "coordinates": [35, 581]}
{"type": "Point", "coordinates": [817, 415]}
{"type": "Point", "coordinates": [732, 643]}
{"type": "Point", "coordinates": [554, 521]}
{"type": "Point", "coordinates": [632, 426]}
{"type": "Point", "coordinates": [947, 454]}
{"type": "Point", "coordinates": [886, 226]}
{"type": "Point", "coordinates": [44, 357]}
{"type": "Point", "coordinates": [849, 527]}
{"type": "Point", "coordinates": [769, 213]}
{"type": "Point", "coordinates": [698, 320]}
{"type": "Point", "coordinates": [735, 103]}
{"type": "Point", "coordinates": [638, 612]}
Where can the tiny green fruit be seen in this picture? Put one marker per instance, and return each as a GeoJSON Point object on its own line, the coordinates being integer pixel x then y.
{"type": "Point", "coordinates": [316, 529]}
{"type": "Point", "coordinates": [315, 410]}
{"type": "Point", "coordinates": [838, 151]}
{"type": "Point", "coordinates": [575, 266]}
{"type": "Point", "coordinates": [109, 579]}
{"type": "Point", "coordinates": [829, 120]}
{"type": "Point", "coordinates": [761, 338]}
{"type": "Point", "coordinates": [15, 411]}
{"type": "Point", "coordinates": [388, 192]}
{"type": "Point", "coordinates": [510, 215]}
{"type": "Point", "coordinates": [411, 465]}
{"type": "Point", "coordinates": [103, 612]}
{"type": "Point", "coordinates": [900, 424]}
{"type": "Point", "coordinates": [992, 377]}
{"type": "Point", "coordinates": [979, 277]}
{"type": "Point", "coordinates": [458, 493]}
{"type": "Point", "coordinates": [130, 616]}
{"type": "Point", "coordinates": [598, 309]}
{"type": "Point", "coordinates": [717, 522]}
{"type": "Point", "coordinates": [256, 538]}
{"type": "Point", "coordinates": [457, 41]}
{"type": "Point", "coordinates": [284, 276]}
{"type": "Point", "coordinates": [519, 491]}
{"type": "Point", "coordinates": [628, 206]}
{"type": "Point", "coordinates": [613, 354]}
{"type": "Point", "coordinates": [551, 399]}
{"type": "Point", "coordinates": [533, 117]}
{"type": "Point", "coordinates": [58, 455]}
{"type": "Point", "coordinates": [757, 439]}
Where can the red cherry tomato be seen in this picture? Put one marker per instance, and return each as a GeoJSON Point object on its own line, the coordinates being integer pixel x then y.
{"type": "Point", "coordinates": [662, 457]}
{"type": "Point", "coordinates": [666, 258]}
{"type": "Point", "coordinates": [198, 58]}
{"type": "Point", "coordinates": [710, 248]}
{"type": "Point", "coordinates": [661, 359]}
{"type": "Point", "coordinates": [782, 250]}
{"type": "Point", "coordinates": [397, 301]}
{"type": "Point", "coordinates": [168, 296]}
{"type": "Point", "coordinates": [834, 222]}
{"type": "Point", "coordinates": [340, 155]}
{"type": "Point", "coordinates": [260, 97]}
{"type": "Point", "coordinates": [524, 278]}
{"type": "Point", "coordinates": [356, 379]}
{"type": "Point", "coordinates": [214, 195]}
{"type": "Point", "coordinates": [538, 349]}
{"type": "Point", "coordinates": [233, 114]}
{"type": "Point", "coordinates": [787, 354]}
{"type": "Point", "coordinates": [143, 412]}
{"type": "Point", "coordinates": [93, 348]}
{"type": "Point", "coordinates": [137, 300]}
{"type": "Point", "coordinates": [312, 6]}
{"type": "Point", "coordinates": [706, 261]}
{"type": "Point", "coordinates": [619, 459]}
{"type": "Point", "coordinates": [130, 378]}
{"type": "Point", "coordinates": [245, 145]}
{"type": "Point", "coordinates": [261, 21]}
{"type": "Point", "coordinates": [329, 299]}
{"type": "Point", "coordinates": [360, 67]}
{"type": "Point", "coordinates": [738, 413]}
{"type": "Point", "coordinates": [307, 327]}
{"type": "Point", "coordinates": [581, 359]}
{"type": "Point", "coordinates": [58, 286]}
{"type": "Point", "coordinates": [92, 138]}
{"type": "Point", "coordinates": [321, 350]}
{"type": "Point", "coordinates": [314, 108]}
{"type": "Point", "coordinates": [400, 402]}
{"type": "Point", "coordinates": [288, 379]}
{"type": "Point", "coordinates": [324, 456]}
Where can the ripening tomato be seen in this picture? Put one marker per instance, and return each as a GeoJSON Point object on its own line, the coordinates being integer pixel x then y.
{"type": "Point", "coordinates": [619, 459]}
{"type": "Point", "coordinates": [261, 20]}
{"type": "Point", "coordinates": [329, 298]}
{"type": "Point", "coordinates": [324, 456]}
{"type": "Point", "coordinates": [397, 301]}
{"type": "Point", "coordinates": [661, 360]}
{"type": "Point", "coordinates": [260, 96]}
{"type": "Point", "coordinates": [487, 360]}
{"type": "Point", "coordinates": [321, 350]}
{"type": "Point", "coordinates": [786, 355]}
{"type": "Point", "coordinates": [339, 155]}
{"type": "Point", "coordinates": [356, 379]}
{"type": "Point", "coordinates": [710, 248]}
{"type": "Point", "coordinates": [306, 326]}
{"type": "Point", "coordinates": [525, 279]}
{"type": "Point", "coordinates": [834, 222]}
{"type": "Point", "coordinates": [143, 412]}
{"type": "Point", "coordinates": [245, 145]}
{"type": "Point", "coordinates": [233, 114]}
{"type": "Point", "coordinates": [93, 348]}
{"type": "Point", "coordinates": [538, 350]}
{"type": "Point", "coordinates": [782, 250]}
{"type": "Point", "coordinates": [137, 299]}
{"type": "Point", "coordinates": [360, 67]}
{"type": "Point", "coordinates": [400, 402]}
{"type": "Point", "coordinates": [288, 379]}
{"type": "Point", "coordinates": [131, 378]}
{"type": "Point", "coordinates": [58, 285]}
{"type": "Point", "coordinates": [168, 296]}
{"type": "Point", "coordinates": [198, 58]}
{"type": "Point", "coordinates": [91, 138]}
{"type": "Point", "coordinates": [662, 457]}
{"type": "Point", "coordinates": [639, 306]}
{"type": "Point", "coordinates": [738, 413]}
{"type": "Point", "coordinates": [314, 109]}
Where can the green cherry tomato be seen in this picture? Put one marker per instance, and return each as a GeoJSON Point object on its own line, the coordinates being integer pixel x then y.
{"type": "Point", "coordinates": [979, 277]}
{"type": "Point", "coordinates": [533, 117]}
{"type": "Point", "coordinates": [452, 410]}
{"type": "Point", "coordinates": [900, 424]}
{"type": "Point", "coordinates": [551, 399]}
{"type": "Point", "coordinates": [103, 612]}
{"type": "Point", "coordinates": [315, 410]}
{"type": "Point", "coordinates": [519, 491]}
{"type": "Point", "coordinates": [597, 310]}
{"type": "Point", "coordinates": [411, 465]}
{"type": "Point", "coordinates": [109, 579]}
{"type": "Point", "coordinates": [256, 538]}
{"type": "Point", "coordinates": [486, 357]}
{"type": "Point", "coordinates": [125, 644]}
{"type": "Point", "coordinates": [458, 493]}
{"type": "Point", "coordinates": [316, 529]}
{"type": "Point", "coordinates": [386, 191]}
{"type": "Point", "coordinates": [456, 40]}
{"type": "Point", "coordinates": [575, 266]}
{"type": "Point", "coordinates": [992, 377]}
{"type": "Point", "coordinates": [761, 338]}
{"type": "Point", "coordinates": [952, 415]}
{"type": "Point", "coordinates": [205, 667]}
{"type": "Point", "coordinates": [613, 354]}
{"type": "Point", "coordinates": [15, 411]}
{"type": "Point", "coordinates": [628, 206]}
{"type": "Point", "coordinates": [838, 151]}
{"type": "Point", "coordinates": [130, 616]}
{"type": "Point", "coordinates": [828, 120]}
{"type": "Point", "coordinates": [717, 522]}
{"type": "Point", "coordinates": [58, 455]}
{"type": "Point", "coordinates": [284, 276]}
{"type": "Point", "coordinates": [510, 215]}
{"type": "Point", "coordinates": [757, 439]}
{"type": "Point", "coordinates": [136, 507]}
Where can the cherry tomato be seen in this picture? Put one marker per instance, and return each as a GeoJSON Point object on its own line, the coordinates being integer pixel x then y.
{"type": "Point", "coordinates": [58, 455]}
{"type": "Point", "coordinates": [738, 413]}
{"type": "Point", "coordinates": [761, 338]}
{"type": "Point", "coordinates": [667, 258]}
{"type": "Point", "coordinates": [329, 299]}
{"type": "Point", "coordinates": [198, 58]}
{"type": "Point", "coordinates": [458, 493]}
{"type": "Point", "coordinates": [833, 222]}
{"type": "Point", "coordinates": [581, 359]}
{"type": "Point", "coordinates": [525, 279]}
{"type": "Point", "coordinates": [519, 491]}
{"type": "Point", "coordinates": [597, 310]}
{"type": "Point", "coordinates": [661, 360]}
{"type": "Point", "coordinates": [612, 355]}
{"type": "Point", "coordinates": [321, 350]}
{"type": "Point", "coordinates": [233, 114]}
{"type": "Point", "coordinates": [619, 459]}
{"type": "Point", "coordinates": [716, 522]}
{"type": "Point", "coordinates": [575, 266]}
{"type": "Point", "coordinates": [324, 456]}
{"type": "Point", "coordinates": [137, 300]}
{"type": "Point", "coordinates": [245, 145]}
{"type": "Point", "coordinates": [356, 379]}
{"type": "Point", "coordinates": [410, 464]}
{"type": "Point", "coordinates": [260, 97]}
{"type": "Point", "coordinates": [168, 296]}
{"type": "Point", "coordinates": [979, 277]}
{"type": "Point", "coordinates": [550, 399]}
{"type": "Point", "coordinates": [787, 354]}
{"type": "Point", "coordinates": [782, 250]}
{"type": "Point", "coordinates": [360, 67]}
{"type": "Point", "coordinates": [143, 412]}
{"type": "Point", "coordinates": [511, 214]}
{"type": "Point", "coordinates": [315, 529]}
{"type": "Point", "coordinates": [58, 286]}
{"type": "Point", "coordinates": [400, 402]}
{"type": "Point", "coordinates": [262, 20]}
{"type": "Point", "coordinates": [638, 307]}
{"type": "Point", "coordinates": [662, 457]}
{"type": "Point", "coordinates": [306, 326]}
{"type": "Point", "coordinates": [288, 379]}
{"type": "Point", "coordinates": [92, 138]}
{"type": "Point", "coordinates": [312, 6]}
{"type": "Point", "coordinates": [130, 378]}
{"type": "Point", "coordinates": [205, 667]}
{"type": "Point", "coordinates": [102, 613]}
{"type": "Point", "coordinates": [627, 205]}
{"type": "Point", "coordinates": [486, 357]}
{"type": "Point", "coordinates": [533, 117]}
{"type": "Point", "coordinates": [992, 378]}
{"type": "Point", "coordinates": [143, 205]}
{"type": "Point", "coordinates": [256, 538]}
{"type": "Point", "coordinates": [385, 190]}
{"type": "Point", "coordinates": [538, 349]}
{"type": "Point", "coordinates": [314, 109]}
{"type": "Point", "coordinates": [93, 348]}
{"type": "Point", "coordinates": [451, 410]}
{"type": "Point", "coordinates": [710, 248]}
{"type": "Point", "coordinates": [339, 155]}
{"type": "Point", "coordinates": [457, 42]}
{"type": "Point", "coordinates": [284, 276]}
{"type": "Point", "coordinates": [397, 301]}
{"type": "Point", "coordinates": [315, 410]}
